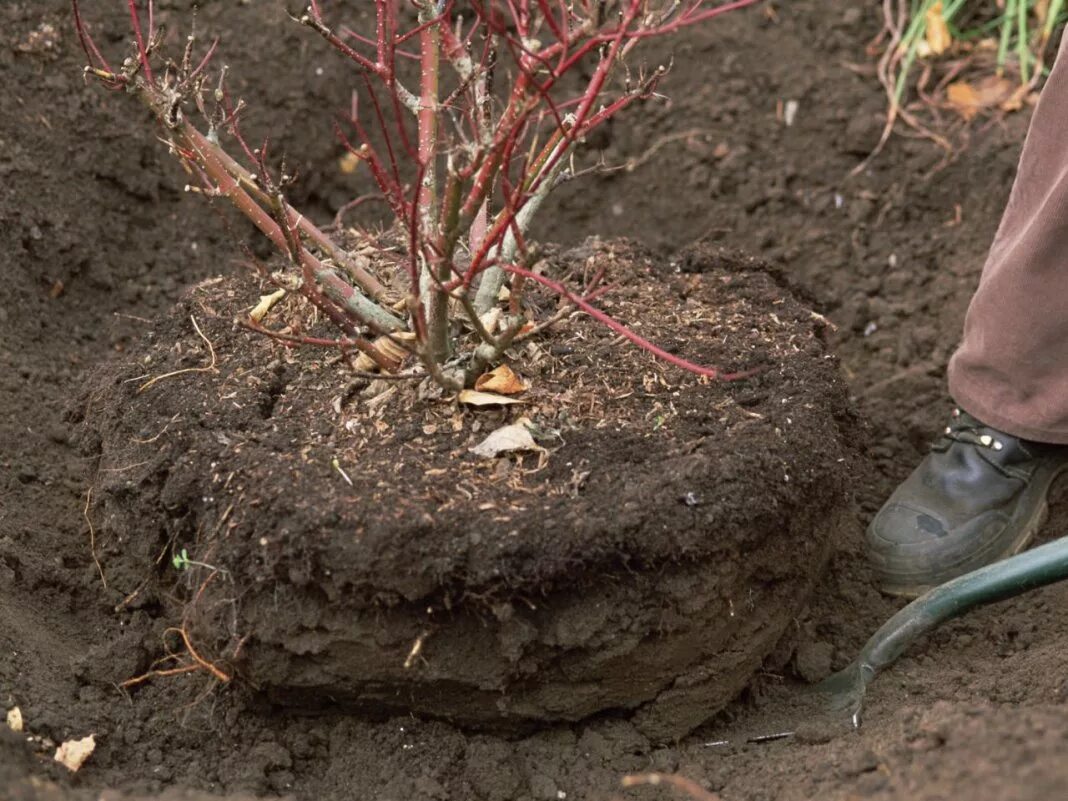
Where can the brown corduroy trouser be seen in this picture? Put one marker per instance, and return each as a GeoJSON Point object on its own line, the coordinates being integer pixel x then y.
{"type": "Point", "coordinates": [1011, 369]}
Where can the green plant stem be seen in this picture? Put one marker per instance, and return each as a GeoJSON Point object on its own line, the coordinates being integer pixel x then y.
{"type": "Point", "coordinates": [489, 287]}
{"type": "Point", "coordinates": [1053, 14]}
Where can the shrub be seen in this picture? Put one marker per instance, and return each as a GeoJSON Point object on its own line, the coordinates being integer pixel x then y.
{"type": "Point", "coordinates": [471, 113]}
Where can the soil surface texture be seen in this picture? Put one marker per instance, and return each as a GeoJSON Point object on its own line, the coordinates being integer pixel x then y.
{"type": "Point", "coordinates": [104, 261]}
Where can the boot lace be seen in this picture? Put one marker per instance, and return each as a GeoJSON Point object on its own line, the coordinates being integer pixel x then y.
{"type": "Point", "coordinates": [966, 429]}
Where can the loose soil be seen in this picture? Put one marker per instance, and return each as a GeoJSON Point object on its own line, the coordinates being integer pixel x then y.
{"type": "Point", "coordinates": [99, 245]}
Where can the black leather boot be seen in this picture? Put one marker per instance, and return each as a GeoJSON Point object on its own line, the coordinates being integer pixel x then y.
{"type": "Point", "coordinates": [977, 497]}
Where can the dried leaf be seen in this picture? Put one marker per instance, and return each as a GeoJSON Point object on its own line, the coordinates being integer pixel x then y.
{"type": "Point", "coordinates": [348, 163]}
{"type": "Point", "coordinates": [473, 397]}
{"type": "Point", "coordinates": [14, 719]}
{"type": "Point", "coordinates": [389, 347]}
{"type": "Point", "coordinates": [501, 379]}
{"type": "Point", "coordinates": [1041, 11]}
{"type": "Point", "coordinates": [73, 753]}
{"type": "Point", "coordinates": [938, 36]}
{"type": "Point", "coordinates": [259, 311]}
{"type": "Point", "coordinates": [969, 99]}
{"type": "Point", "coordinates": [491, 318]}
{"type": "Point", "coordinates": [507, 439]}
{"type": "Point", "coordinates": [963, 99]}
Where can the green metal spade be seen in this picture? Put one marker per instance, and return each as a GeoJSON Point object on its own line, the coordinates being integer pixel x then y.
{"type": "Point", "coordinates": [844, 691]}
{"type": "Point", "coordinates": [842, 694]}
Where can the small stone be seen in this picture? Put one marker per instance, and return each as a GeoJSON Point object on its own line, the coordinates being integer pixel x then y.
{"type": "Point", "coordinates": [14, 719]}
{"type": "Point", "coordinates": [814, 733]}
{"type": "Point", "coordinates": [864, 762]}
{"type": "Point", "coordinates": [813, 660]}
{"type": "Point", "coordinates": [73, 753]}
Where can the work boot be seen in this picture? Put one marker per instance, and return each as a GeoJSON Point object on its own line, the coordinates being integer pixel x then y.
{"type": "Point", "coordinates": [977, 497]}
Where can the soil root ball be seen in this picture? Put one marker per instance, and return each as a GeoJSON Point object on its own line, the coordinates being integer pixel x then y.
{"type": "Point", "coordinates": [345, 548]}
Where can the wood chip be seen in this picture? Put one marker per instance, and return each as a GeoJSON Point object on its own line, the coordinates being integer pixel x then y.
{"type": "Point", "coordinates": [259, 311]}
{"type": "Point", "coordinates": [73, 753]}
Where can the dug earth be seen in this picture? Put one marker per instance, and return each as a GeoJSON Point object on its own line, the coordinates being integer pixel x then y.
{"type": "Point", "coordinates": [316, 540]}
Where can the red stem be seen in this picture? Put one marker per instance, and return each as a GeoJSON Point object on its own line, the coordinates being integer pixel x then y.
{"type": "Point", "coordinates": [623, 331]}
{"type": "Point", "coordinates": [88, 45]}
{"type": "Point", "coordinates": [142, 53]}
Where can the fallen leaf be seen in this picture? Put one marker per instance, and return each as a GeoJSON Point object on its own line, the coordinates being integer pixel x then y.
{"type": "Point", "coordinates": [969, 99]}
{"type": "Point", "coordinates": [501, 379]}
{"type": "Point", "coordinates": [507, 439]}
{"type": "Point", "coordinates": [14, 719]}
{"type": "Point", "coordinates": [938, 36]}
{"type": "Point", "coordinates": [259, 311]}
{"type": "Point", "coordinates": [1041, 11]}
{"type": "Point", "coordinates": [389, 346]}
{"type": "Point", "coordinates": [963, 99]}
{"type": "Point", "coordinates": [73, 753]}
{"type": "Point", "coordinates": [473, 397]}
{"type": "Point", "coordinates": [490, 319]}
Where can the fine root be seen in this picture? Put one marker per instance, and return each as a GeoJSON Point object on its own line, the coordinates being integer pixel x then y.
{"type": "Point", "coordinates": [209, 368]}
{"type": "Point", "coordinates": [92, 537]}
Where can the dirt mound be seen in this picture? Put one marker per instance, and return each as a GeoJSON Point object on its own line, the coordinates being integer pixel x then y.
{"type": "Point", "coordinates": [348, 549]}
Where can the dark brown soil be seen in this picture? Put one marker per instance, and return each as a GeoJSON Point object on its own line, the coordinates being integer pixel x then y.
{"type": "Point", "coordinates": [97, 243]}
{"type": "Point", "coordinates": [647, 558]}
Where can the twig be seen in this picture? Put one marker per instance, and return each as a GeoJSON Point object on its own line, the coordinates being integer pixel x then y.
{"type": "Point", "coordinates": [416, 649]}
{"type": "Point", "coordinates": [633, 163]}
{"type": "Point", "coordinates": [622, 330]}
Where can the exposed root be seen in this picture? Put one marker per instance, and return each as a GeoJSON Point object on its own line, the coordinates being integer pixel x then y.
{"type": "Point", "coordinates": [210, 368]}
{"type": "Point", "coordinates": [92, 537]}
{"type": "Point", "coordinates": [158, 673]}
{"type": "Point", "coordinates": [198, 663]}
{"type": "Point", "coordinates": [203, 663]}
{"type": "Point", "coordinates": [191, 661]}
{"type": "Point", "coordinates": [635, 162]}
